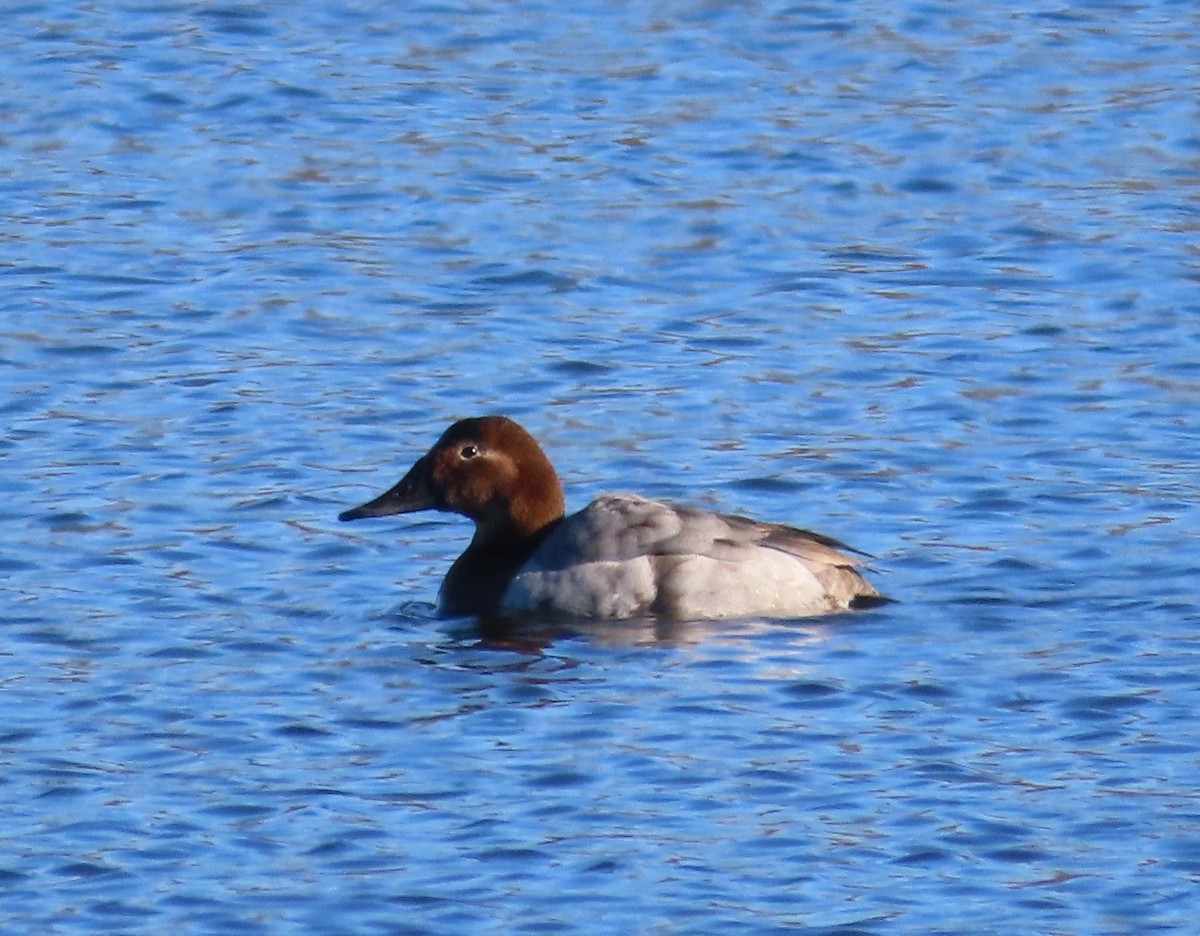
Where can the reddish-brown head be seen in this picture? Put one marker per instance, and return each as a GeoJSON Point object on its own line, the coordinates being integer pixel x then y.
{"type": "Point", "coordinates": [487, 468]}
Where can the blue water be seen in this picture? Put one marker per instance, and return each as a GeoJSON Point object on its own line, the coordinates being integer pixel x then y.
{"type": "Point", "coordinates": [922, 276]}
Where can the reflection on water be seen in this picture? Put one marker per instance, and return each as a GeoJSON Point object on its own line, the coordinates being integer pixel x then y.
{"type": "Point", "coordinates": [924, 282]}
{"type": "Point", "coordinates": [539, 634]}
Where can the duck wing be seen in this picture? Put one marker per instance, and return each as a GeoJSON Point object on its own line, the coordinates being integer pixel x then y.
{"type": "Point", "coordinates": [621, 527]}
{"type": "Point", "coordinates": [649, 556]}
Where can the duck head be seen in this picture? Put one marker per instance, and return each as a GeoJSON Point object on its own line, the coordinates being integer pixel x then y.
{"type": "Point", "coordinates": [487, 468]}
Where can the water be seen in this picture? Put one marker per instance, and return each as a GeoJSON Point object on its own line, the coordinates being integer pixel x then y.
{"type": "Point", "coordinates": [920, 276]}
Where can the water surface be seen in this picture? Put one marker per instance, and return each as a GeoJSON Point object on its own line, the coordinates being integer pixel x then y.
{"type": "Point", "coordinates": [920, 276]}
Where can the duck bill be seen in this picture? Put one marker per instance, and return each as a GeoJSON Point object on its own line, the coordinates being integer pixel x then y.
{"type": "Point", "coordinates": [412, 492]}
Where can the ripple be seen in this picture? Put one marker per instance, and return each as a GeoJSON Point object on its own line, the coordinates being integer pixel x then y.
{"type": "Point", "coordinates": [753, 258]}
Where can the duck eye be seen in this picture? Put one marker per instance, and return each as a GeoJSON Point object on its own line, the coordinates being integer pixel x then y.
{"type": "Point", "coordinates": [468, 451]}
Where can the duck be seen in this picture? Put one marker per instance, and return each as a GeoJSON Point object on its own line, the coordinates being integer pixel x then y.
{"type": "Point", "coordinates": [622, 556]}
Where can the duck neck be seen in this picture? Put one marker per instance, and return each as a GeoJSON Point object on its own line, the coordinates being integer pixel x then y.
{"type": "Point", "coordinates": [536, 504]}
{"type": "Point", "coordinates": [507, 532]}
{"type": "Point", "coordinates": [479, 577]}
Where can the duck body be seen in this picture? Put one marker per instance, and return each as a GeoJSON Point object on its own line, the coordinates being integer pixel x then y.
{"type": "Point", "coordinates": [622, 556]}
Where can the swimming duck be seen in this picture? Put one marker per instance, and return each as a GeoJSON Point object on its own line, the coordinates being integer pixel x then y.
{"type": "Point", "coordinates": [622, 556]}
